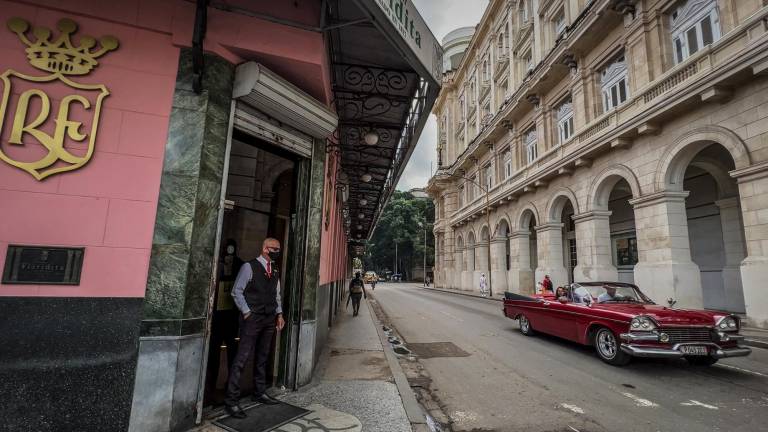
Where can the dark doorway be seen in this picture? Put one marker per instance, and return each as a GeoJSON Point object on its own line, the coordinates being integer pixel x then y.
{"type": "Point", "coordinates": [261, 201]}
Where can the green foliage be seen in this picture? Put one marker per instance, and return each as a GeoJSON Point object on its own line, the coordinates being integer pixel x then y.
{"type": "Point", "coordinates": [402, 222]}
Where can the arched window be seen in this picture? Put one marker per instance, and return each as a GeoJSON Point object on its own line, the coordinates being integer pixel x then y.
{"type": "Point", "coordinates": [531, 150]}
{"type": "Point", "coordinates": [613, 83]}
{"type": "Point", "coordinates": [694, 24]}
{"type": "Point", "coordinates": [565, 120]}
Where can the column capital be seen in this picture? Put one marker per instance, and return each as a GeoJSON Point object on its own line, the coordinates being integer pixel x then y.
{"type": "Point", "coordinates": [659, 197]}
{"type": "Point", "coordinates": [727, 202]}
{"type": "Point", "coordinates": [592, 215]}
{"type": "Point", "coordinates": [519, 234]}
{"type": "Point", "coordinates": [551, 226]}
{"type": "Point", "coordinates": [498, 239]}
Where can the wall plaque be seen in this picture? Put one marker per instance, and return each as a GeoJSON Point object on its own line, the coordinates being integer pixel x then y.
{"type": "Point", "coordinates": [43, 265]}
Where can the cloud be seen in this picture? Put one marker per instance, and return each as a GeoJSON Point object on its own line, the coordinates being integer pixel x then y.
{"type": "Point", "coordinates": [441, 16]}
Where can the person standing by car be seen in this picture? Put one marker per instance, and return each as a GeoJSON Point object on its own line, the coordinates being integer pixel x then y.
{"type": "Point", "coordinates": [547, 284]}
{"type": "Point", "coordinates": [356, 291]}
{"type": "Point", "coordinates": [257, 295]}
{"type": "Point", "coordinates": [483, 286]}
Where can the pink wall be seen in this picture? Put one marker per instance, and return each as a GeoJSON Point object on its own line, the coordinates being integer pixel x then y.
{"type": "Point", "coordinates": [109, 205]}
{"type": "Point", "coordinates": [333, 242]}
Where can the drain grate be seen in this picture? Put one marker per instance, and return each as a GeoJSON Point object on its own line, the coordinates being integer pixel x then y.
{"type": "Point", "coordinates": [437, 349]}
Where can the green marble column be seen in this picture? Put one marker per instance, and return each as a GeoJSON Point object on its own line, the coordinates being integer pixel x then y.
{"type": "Point", "coordinates": [185, 229]}
{"type": "Point", "coordinates": [314, 231]}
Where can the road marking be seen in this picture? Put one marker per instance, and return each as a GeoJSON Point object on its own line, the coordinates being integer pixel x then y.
{"type": "Point", "coordinates": [573, 428]}
{"type": "Point", "coordinates": [452, 316]}
{"type": "Point", "coordinates": [640, 401]}
{"type": "Point", "coordinates": [701, 404]}
{"type": "Point", "coordinates": [742, 370]}
{"type": "Point", "coordinates": [573, 408]}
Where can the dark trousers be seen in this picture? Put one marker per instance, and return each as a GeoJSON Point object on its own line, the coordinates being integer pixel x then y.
{"type": "Point", "coordinates": [225, 324]}
{"type": "Point", "coordinates": [256, 334]}
{"type": "Point", "coordinates": [356, 301]}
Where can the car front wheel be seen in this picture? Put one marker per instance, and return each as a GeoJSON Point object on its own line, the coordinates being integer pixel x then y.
{"type": "Point", "coordinates": [700, 361]}
{"type": "Point", "coordinates": [525, 326]}
{"type": "Point", "coordinates": [608, 348]}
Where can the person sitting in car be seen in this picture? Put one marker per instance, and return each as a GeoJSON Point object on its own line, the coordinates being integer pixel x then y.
{"type": "Point", "coordinates": [608, 295]}
{"type": "Point", "coordinates": [561, 293]}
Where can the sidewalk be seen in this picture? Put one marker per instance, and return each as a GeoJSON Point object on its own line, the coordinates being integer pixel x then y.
{"type": "Point", "coordinates": [753, 337]}
{"type": "Point", "coordinates": [357, 384]}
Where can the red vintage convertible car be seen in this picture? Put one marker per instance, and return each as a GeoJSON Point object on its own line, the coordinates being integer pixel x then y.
{"type": "Point", "coordinates": [621, 323]}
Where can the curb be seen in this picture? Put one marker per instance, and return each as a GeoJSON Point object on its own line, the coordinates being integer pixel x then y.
{"type": "Point", "coordinates": [412, 408]}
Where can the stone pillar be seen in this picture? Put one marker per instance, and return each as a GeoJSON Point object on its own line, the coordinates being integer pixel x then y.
{"type": "Point", "coordinates": [665, 269]}
{"type": "Point", "coordinates": [469, 264]}
{"type": "Point", "coordinates": [458, 268]}
{"type": "Point", "coordinates": [735, 252]}
{"type": "Point", "coordinates": [550, 254]}
{"type": "Point", "coordinates": [753, 190]}
{"type": "Point", "coordinates": [499, 265]}
{"type": "Point", "coordinates": [481, 266]}
{"type": "Point", "coordinates": [520, 272]}
{"type": "Point", "coordinates": [593, 248]}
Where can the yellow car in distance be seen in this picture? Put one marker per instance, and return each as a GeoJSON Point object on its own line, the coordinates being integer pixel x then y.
{"type": "Point", "coordinates": [370, 276]}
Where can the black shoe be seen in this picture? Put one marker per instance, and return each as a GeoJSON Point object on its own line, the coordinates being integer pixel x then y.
{"type": "Point", "coordinates": [265, 399]}
{"type": "Point", "coordinates": [235, 411]}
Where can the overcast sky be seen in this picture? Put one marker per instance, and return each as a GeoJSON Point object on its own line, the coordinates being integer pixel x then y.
{"type": "Point", "coordinates": [441, 16]}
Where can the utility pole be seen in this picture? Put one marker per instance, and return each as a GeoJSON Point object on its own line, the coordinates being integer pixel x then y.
{"type": "Point", "coordinates": [395, 257]}
{"type": "Point", "coordinates": [425, 253]}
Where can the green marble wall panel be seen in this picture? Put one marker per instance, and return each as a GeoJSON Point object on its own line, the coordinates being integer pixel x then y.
{"type": "Point", "coordinates": [185, 228]}
{"type": "Point", "coordinates": [314, 231]}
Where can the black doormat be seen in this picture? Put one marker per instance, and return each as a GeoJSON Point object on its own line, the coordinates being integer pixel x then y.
{"type": "Point", "coordinates": [262, 418]}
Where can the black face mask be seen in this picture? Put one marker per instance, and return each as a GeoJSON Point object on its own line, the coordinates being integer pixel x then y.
{"type": "Point", "coordinates": [274, 256]}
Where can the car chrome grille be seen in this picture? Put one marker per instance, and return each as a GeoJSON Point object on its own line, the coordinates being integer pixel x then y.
{"type": "Point", "coordinates": [690, 334]}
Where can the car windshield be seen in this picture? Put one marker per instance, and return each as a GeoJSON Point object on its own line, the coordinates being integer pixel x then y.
{"type": "Point", "coordinates": [608, 293]}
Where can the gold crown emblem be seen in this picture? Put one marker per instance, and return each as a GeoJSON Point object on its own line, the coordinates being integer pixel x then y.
{"type": "Point", "coordinates": [60, 56]}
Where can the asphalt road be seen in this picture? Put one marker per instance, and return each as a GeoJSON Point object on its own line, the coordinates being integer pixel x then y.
{"type": "Point", "coordinates": [511, 382]}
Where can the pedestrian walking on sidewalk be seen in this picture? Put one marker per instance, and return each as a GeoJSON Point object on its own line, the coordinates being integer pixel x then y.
{"type": "Point", "coordinates": [483, 286]}
{"type": "Point", "coordinates": [257, 295]}
{"type": "Point", "coordinates": [356, 291]}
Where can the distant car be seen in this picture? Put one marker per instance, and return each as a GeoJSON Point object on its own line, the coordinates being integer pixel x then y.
{"type": "Point", "coordinates": [370, 276]}
{"type": "Point", "coordinates": [621, 323]}
{"type": "Point", "coordinates": [396, 277]}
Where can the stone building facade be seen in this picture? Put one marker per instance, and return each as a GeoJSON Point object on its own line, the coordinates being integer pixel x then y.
{"type": "Point", "coordinates": [609, 140]}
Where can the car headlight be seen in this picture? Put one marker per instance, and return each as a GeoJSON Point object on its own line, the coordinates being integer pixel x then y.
{"type": "Point", "coordinates": [728, 323]}
{"type": "Point", "coordinates": [642, 323]}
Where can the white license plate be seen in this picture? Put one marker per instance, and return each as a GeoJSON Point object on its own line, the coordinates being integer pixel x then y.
{"type": "Point", "coordinates": [694, 350]}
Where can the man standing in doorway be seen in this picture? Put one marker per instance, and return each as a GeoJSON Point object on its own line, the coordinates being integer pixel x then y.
{"type": "Point", "coordinates": [257, 296]}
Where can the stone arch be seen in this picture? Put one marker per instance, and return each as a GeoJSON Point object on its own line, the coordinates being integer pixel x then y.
{"type": "Point", "coordinates": [558, 202]}
{"type": "Point", "coordinates": [459, 242]}
{"type": "Point", "coordinates": [602, 185]}
{"type": "Point", "coordinates": [503, 222]}
{"type": "Point", "coordinates": [485, 234]}
{"type": "Point", "coordinates": [526, 213]}
{"type": "Point", "coordinates": [471, 238]}
{"type": "Point", "coordinates": [672, 165]}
